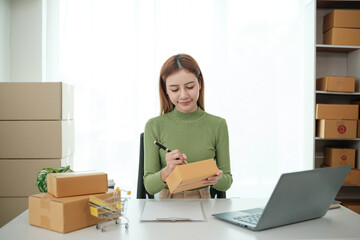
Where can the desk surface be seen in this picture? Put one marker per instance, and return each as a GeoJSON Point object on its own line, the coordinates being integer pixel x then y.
{"type": "Point", "coordinates": [338, 223]}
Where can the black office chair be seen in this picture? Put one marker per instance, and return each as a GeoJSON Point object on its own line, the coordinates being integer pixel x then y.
{"type": "Point", "coordinates": [141, 191]}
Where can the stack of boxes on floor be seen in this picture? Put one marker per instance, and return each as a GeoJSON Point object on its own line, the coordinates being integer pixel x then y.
{"type": "Point", "coordinates": [65, 207]}
{"type": "Point", "coordinates": [342, 27]}
{"type": "Point", "coordinates": [36, 131]}
{"type": "Point", "coordinates": [339, 121]}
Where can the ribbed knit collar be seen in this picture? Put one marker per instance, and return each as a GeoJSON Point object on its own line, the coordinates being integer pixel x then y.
{"type": "Point", "coordinates": [188, 117]}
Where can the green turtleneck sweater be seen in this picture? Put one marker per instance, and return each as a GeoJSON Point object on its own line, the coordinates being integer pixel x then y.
{"type": "Point", "coordinates": [198, 134]}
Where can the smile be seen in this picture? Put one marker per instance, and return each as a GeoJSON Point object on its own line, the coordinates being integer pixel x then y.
{"type": "Point", "coordinates": [185, 103]}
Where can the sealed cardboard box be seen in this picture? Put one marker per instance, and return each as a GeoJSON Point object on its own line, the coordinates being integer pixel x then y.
{"type": "Point", "coordinates": [18, 176]}
{"type": "Point", "coordinates": [336, 129]}
{"type": "Point", "coordinates": [11, 207]}
{"type": "Point", "coordinates": [36, 139]}
{"type": "Point", "coordinates": [189, 176]}
{"type": "Point", "coordinates": [340, 18]}
{"type": "Point", "coordinates": [337, 111]}
{"type": "Point", "coordinates": [336, 84]}
{"type": "Point", "coordinates": [339, 156]}
{"type": "Point", "coordinates": [36, 101]}
{"type": "Point", "coordinates": [353, 178]}
{"type": "Point", "coordinates": [342, 36]}
{"type": "Point", "coordinates": [76, 183]}
{"type": "Point", "coordinates": [62, 214]}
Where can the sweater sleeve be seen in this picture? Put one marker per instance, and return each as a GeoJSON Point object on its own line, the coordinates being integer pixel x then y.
{"type": "Point", "coordinates": [152, 163]}
{"type": "Point", "coordinates": [223, 157]}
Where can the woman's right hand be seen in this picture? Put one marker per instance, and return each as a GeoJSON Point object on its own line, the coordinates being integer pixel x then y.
{"type": "Point", "coordinates": [173, 159]}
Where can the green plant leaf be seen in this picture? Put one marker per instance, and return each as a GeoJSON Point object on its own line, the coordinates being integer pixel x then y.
{"type": "Point", "coordinates": [41, 176]}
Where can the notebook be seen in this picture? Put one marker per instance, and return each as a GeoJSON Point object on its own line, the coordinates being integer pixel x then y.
{"type": "Point", "coordinates": [298, 196]}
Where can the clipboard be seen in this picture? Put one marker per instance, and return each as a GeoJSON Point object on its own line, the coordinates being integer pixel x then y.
{"type": "Point", "coordinates": [172, 211]}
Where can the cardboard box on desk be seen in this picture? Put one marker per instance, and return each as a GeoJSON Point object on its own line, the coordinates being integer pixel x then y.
{"type": "Point", "coordinates": [62, 214]}
{"type": "Point", "coordinates": [36, 101]}
{"type": "Point", "coordinates": [18, 176]}
{"type": "Point", "coordinates": [339, 156]}
{"type": "Point", "coordinates": [336, 129]}
{"type": "Point", "coordinates": [76, 183]}
{"type": "Point", "coordinates": [337, 111]}
{"type": "Point", "coordinates": [189, 176]}
{"type": "Point", "coordinates": [36, 139]}
{"type": "Point", "coordinates": [336, 84]}
{"type": "Point", "coordinates": [340, 18]}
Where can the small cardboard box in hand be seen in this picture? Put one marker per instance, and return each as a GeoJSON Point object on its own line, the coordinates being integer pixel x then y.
{"type": "Point", "coordinates": [190, 176]}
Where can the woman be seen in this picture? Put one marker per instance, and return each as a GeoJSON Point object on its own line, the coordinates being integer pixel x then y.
{"type": "Point", "coordinates": [185, 127]}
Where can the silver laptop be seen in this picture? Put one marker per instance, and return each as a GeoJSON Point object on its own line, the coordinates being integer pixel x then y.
{"type": "Point", "coordinates": [297, 197]}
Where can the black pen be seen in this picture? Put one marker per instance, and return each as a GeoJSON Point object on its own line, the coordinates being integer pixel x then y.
{"type": "Point", "coordinates": [165, 148]}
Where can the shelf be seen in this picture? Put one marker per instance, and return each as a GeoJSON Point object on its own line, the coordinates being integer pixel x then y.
{"type": "Point", "coordinates": [338, 4]}
{"type": "Point", "coordinates": [338, 93]}
{"type": "Point", "coordinates": [336, 48]}
{"type": "Point", "coordinates": [336, 139]}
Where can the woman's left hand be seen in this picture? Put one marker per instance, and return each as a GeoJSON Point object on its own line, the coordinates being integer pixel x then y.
{"type": "Point", "coordinates": [213, 179]}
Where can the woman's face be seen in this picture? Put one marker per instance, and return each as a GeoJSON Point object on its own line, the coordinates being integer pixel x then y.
{"type": "Point", "coordinates": [183, 90]}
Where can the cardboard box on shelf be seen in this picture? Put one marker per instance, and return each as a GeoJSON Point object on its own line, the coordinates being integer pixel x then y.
{"type": "Point", "coordinates": [336, 84]}
{"type": "Point", "coordinates": [62, 214]}
{"type": "Point", "coordinates": [352, 204]}
{"type": "Point", "coordinates": [76, 183]}
{"type": "Point", "coordinates": [353, 178]}
{"type": "Point", "coordinates": [190, 176]}
{"type": "Point", "coordinates": [336, 129]}
{"type": "Point", "coordinates": [340, 18]}
{"type": "Point", "coordinates": [18, 176]}
{"type": "Point", "coordinates": [36, 139]}
{"type": "Point", "coordinates": [11, 207]}
{"type": "Point", "coordinates": [337, 111]}
{"type": "Point", "coordinates": [339, 156]}
{"type": "Point", "coordinates": [342, 36]}
{"type": "Point", "coordinates": [36, 101]}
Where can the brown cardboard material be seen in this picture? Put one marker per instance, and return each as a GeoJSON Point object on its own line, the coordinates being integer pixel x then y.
{"type": "Point", "coordinates": [11, 207]}
{"type": "Point", "coordinates": [353, 178]}
{"type": "Point", "coordinates": [36, 101]}
{"type": "Point", "coordinates": [337, 111]}
{"type": "Point", "coordinates": [340, 18]}
{"type": "Point", "coordinates": [342, 36]}
{"type": "Point", "coordinates": [62, 214]}
{"type": "Point", "coordinates": [336, 129]}
{"type": "Point", "coordinates": [76, 183]}
{"type": "Point", "coordinates": [336, 84]}
{"type": "Point", "coordinates": [28, 169]}
{"type": "Point", "coordinates": [339, 156]}
{"type": "Point", "coordinates": [189, 176]}
{"type": "Point", "coordinates": [36, 139]}
{"type": "Point", "coordinates": [353, 205]}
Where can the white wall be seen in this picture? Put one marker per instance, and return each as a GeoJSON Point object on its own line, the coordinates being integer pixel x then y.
{"type": "Point", "coordinates": [26, 40]}
{"type": "Point", "coordinates": [4, 40]}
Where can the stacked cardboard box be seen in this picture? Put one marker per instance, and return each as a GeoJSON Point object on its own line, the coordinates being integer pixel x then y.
{"type": "Point", "coordinates": [342, 27]}
{"type": "Point", "coordinates": [337, 121]}
{"type": "Point", "coordinates": [65, 208]}
{"type": "Point", "coordinates": [36, 131]}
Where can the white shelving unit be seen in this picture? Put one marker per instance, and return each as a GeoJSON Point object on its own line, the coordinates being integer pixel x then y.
{"type": "Point", "coordinates": [338, 61]}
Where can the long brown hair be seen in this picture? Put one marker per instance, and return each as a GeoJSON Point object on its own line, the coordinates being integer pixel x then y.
{"type": "Point", "coordinates": [174, 64]}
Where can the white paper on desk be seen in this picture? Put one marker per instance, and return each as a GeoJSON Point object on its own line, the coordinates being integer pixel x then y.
{"type": "Point", "coordinates": [172, 210]}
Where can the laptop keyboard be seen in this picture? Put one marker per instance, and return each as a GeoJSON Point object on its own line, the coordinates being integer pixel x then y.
{"type": "Point", "coordinates": [252, 219]}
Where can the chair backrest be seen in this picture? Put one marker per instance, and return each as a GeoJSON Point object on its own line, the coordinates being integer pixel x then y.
{"type": "Point", "coordinates": [141, 191]}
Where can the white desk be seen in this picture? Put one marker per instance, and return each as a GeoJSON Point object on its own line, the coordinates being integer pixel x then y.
{"type": "Point", "coordinates": [336, 224]}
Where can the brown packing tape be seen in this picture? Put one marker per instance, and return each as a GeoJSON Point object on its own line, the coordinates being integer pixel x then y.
{"type": "Point", "coordinates": [45, 204]}
{"type": "Point", "coordinates": [45, 221]}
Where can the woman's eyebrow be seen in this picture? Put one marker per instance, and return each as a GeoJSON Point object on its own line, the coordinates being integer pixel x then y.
{"type": "Point", "coordinates": [175, 85]}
